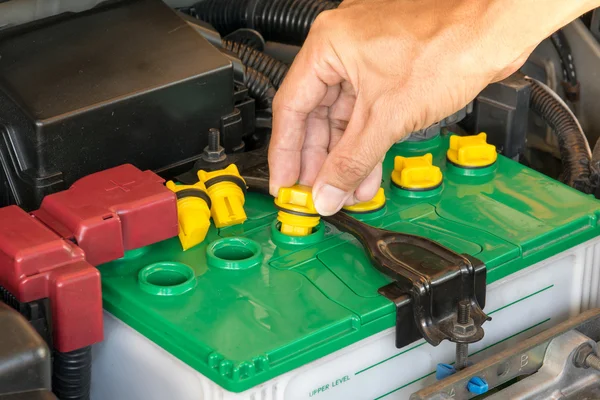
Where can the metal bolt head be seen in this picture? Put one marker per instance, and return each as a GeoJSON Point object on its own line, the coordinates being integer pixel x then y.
{"type": "Point", "coordinates": [214, 156]}
{"type": "Point", "coordinates": [465, 330]}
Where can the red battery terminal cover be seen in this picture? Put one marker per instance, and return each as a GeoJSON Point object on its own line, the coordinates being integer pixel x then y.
{"type": "Point", "coordinates": [52, 252]}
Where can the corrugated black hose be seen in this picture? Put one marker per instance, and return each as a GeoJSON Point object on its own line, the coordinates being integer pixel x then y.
{"type": "Point", "coordinates": [72, 374]}
{"type": "Point", "coordinates": [260, 88]}
{"type": "Point", "coordinates": [570, 82]}
{"type": "Point", "coordinates": [286, 21]}
{"type": "Point", "coordinates": [574, 148]}
{"type": "Point", "coordinates": [273, 69]}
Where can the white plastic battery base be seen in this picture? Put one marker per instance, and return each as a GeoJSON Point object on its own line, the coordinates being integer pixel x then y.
{"type": "Point", "coordinates": [127, 366]}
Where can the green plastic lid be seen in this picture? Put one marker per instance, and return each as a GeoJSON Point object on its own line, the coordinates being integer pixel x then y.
{"type": "Point", "coordinates": [248, 304]}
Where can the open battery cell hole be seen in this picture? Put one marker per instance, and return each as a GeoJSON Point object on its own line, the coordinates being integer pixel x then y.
{"type": "Point", "coordinates": [234, 253]}
{"type": "Point", "coordinates": [167, 278]}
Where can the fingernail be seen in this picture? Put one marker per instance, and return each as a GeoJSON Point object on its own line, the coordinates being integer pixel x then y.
{"type": "Point", "coordinates": [329, 199]}
{"type": "Point", "coordinates": [273, 189]}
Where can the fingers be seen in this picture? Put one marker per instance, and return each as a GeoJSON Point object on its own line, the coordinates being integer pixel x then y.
{"type": "Point", "coordinates": [316, 142]}
{"type": "Point", "coordinates": [352, 171]}
{"type": "Point", "coordinates": [340, 113]}
{"type": "Point", "coordinates": [303, 90]}
{"type": "Point", "coordinates": [369, 187]}
{"type": "Point", "coordinates": [317, 139]}
{"type": "Point", "coordinates": [312, 140]}
{"type": "Point", "coordinates": [290, 114]}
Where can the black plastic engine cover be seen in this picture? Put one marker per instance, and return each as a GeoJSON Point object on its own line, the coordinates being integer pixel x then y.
{"type": "Point", "coordinates": [128, 82]}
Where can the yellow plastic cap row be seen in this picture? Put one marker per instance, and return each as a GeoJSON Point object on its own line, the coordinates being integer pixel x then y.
{"type": "Point", "coordinates": [419, 173]}
{"type": "Point", "coordinates": [227, 205]}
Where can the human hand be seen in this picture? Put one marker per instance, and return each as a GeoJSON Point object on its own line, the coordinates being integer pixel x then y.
{"type": "Point", "coordinates": [373, 71]}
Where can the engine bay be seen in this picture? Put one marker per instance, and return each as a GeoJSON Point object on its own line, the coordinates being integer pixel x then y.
{"type": "Point", "coordinates": [140, 244]}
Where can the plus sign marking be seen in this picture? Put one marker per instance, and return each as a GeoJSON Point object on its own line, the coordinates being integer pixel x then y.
{"type": "Point", "coordinates": [122, 186]}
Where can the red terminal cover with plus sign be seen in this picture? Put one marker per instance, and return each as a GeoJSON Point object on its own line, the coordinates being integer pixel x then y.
{"type": "Point", "coordinates": [51, 253]}
{"type": "Point", "coordinates": [112, 211]}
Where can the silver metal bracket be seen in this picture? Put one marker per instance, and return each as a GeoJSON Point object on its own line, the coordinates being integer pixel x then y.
{"type": "Point", "coordinates": [551, 364]}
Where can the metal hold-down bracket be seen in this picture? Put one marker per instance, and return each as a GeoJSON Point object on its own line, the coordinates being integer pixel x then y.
{"type": "Point", "coordinates": [441, 291]}
{"type": "Point", "coordinates": [561, 363]}
{"type": "Point", "coordinates": [439, 295]}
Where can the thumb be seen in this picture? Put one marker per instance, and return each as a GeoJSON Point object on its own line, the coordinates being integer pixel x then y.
{"type": "Point", "coordinates": [349, 163]}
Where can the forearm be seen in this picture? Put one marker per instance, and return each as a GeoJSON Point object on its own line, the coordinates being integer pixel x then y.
{"type": "Point", "coordinates": [528, 22]}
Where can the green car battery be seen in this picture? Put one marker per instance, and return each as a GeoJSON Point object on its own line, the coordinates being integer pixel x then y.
{"type": "Point", "coordinates": [252, 313]}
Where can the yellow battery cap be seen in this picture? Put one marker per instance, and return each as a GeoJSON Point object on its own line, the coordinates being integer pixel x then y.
{"type": "Point", "coordinates": [471, 151]}
{"type": "Point", "coordinates": [297, 212]}
{"type": "Point", "coordinates": [416, 173]}
{"type": "Point", "coordinates": [193, 213]}
{"type": "Point", "coordinates": [227, 190]}
{"type": "Point", "coordinates": [375, 204]}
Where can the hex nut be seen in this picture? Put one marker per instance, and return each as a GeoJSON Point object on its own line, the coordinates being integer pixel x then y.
{"type": "Point", "coordinates": [210, 155]}
{"type": "Point", "coordinates": [465, 330]}
{"type": "Point", "coordinates": [581, 354]}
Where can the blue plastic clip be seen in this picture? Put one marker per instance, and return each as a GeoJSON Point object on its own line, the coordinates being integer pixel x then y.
{"type": "Point", "coordinates": [477, 385]}
{"type": "Point", "coordinates": [443, 371]}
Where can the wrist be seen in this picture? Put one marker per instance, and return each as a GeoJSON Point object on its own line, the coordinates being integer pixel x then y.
{"type": "Point", "coordinates": [513, 28]}
{"type": "Point", "coordinates": [540, 18]}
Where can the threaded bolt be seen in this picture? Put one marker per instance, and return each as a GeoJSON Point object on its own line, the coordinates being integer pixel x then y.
{"type": "Point", "coordinates": [464, 312]}
{"type": "Point", "coordinates": [593, 361]}
{"type": "Point", "coordinates": [214, 137]}
{"type": "Point", "coordinates": [462, 354]}
{"type": "Point", "coordinates": [214, 152]}
{"type": "Point", "coordinates": [462, 349]}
